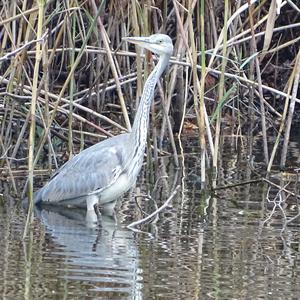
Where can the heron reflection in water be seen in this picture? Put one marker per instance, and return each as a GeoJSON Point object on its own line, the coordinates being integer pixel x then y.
{"type": "Point", "coordinates": [99, 175]}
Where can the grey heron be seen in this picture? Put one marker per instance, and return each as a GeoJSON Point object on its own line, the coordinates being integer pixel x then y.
{"type": "Point", "coordinates": [103, 172]}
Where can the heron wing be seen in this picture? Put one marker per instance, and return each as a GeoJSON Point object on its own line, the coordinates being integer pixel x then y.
{"type": "Point", "coordinates": [94, 169]}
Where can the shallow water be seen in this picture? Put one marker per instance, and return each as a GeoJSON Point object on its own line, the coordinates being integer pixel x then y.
{"type": "Point", "coordinates": [201, 247]}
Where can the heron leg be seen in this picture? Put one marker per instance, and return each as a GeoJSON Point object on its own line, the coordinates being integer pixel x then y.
{"type": "Point", "coordinates": [91, 200]}
{"type": "Point", "coordinates": [93, 206]}
{"type": "Point", "coordinates": [91, 219]}
{"type": "Point", "coordinates": [97, 211]}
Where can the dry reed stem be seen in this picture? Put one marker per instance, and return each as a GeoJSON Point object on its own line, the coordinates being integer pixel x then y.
{"type": "Point", "coordinates": [180, 50]}
{"type": "Point", "coordinates": [112, 64]}
{"type": "Point", "coordinates": [31, 140]}
{"type": "Point", "coordinates": [283, 121]}
{"type": "Point", "coordinates": [221, 92]}
{"type": "Point", "coordinates": [291, 111]}
{"type": "Point", "coordinates": [261, 97]}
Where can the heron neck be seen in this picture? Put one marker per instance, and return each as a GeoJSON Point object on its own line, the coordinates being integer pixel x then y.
{"type": "Point", "coordinates": [140, 125]}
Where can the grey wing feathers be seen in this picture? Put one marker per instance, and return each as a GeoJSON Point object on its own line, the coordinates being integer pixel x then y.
{"type": "Point", "coordinates": [93, 169]}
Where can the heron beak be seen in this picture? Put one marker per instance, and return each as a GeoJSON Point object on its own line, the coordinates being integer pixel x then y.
{"type": "Point", "coordinates": [140, 41]}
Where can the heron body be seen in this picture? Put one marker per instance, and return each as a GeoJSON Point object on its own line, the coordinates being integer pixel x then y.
{"type": "Point", "coordinates": [105, 171]}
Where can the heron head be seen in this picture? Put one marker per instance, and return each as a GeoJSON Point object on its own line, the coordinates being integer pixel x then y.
{"type": "Point", "coordinates": [160, 44]}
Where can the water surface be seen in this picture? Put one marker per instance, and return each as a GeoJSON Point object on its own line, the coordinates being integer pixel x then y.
{"type": "Point", "coordinates": [221, 246]}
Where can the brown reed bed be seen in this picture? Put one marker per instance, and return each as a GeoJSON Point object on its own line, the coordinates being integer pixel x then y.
{"type": "Point", "coordinates": [67, 80]}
